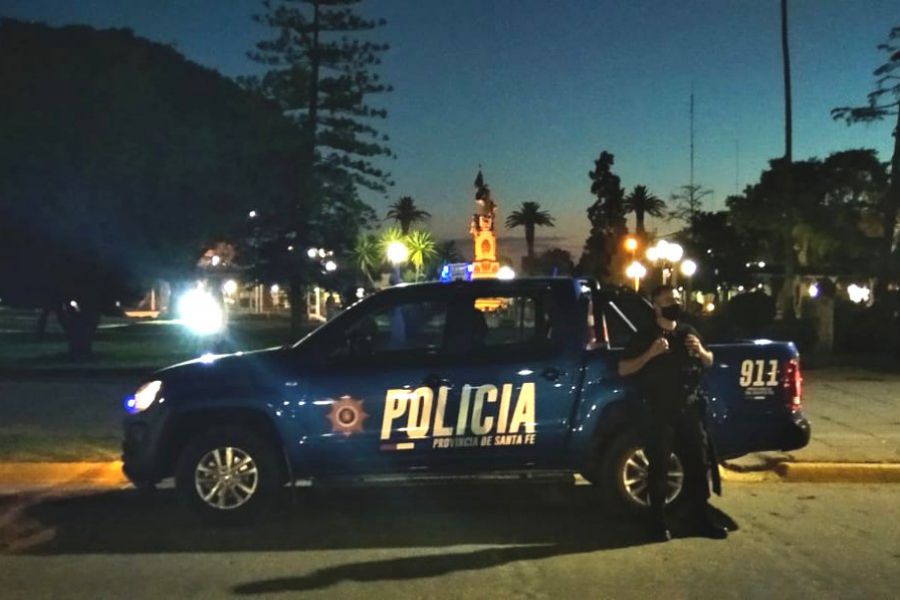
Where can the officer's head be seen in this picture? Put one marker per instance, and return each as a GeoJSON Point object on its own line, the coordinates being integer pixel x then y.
{"type": "Point", "coordinates": [665, 302]}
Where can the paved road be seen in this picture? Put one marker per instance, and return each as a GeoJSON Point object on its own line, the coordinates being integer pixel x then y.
{"type": "Point", "coordinates": [497, 541]}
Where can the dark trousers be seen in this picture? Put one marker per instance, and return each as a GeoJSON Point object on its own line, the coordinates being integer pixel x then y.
{"type": "Point", "coordinates": [668, 430]}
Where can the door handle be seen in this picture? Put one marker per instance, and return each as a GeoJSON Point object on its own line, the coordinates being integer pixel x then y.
{"type": "Point", "coordinates": [551, 374]}
{"type": "Point", "coordinates": [434, 380]}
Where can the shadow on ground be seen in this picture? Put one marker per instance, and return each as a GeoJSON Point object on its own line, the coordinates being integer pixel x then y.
{"type": "Point", "coordinates": [524, 521]}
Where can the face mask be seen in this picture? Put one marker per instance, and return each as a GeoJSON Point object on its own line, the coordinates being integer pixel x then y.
{"type": "Point", "coordinates": [671, 312]}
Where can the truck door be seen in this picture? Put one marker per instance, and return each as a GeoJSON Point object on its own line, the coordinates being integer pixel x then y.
{"type": "Point", "coordinates": [370, 383]}
{"type": "Point", "coordinates": [509, 377]}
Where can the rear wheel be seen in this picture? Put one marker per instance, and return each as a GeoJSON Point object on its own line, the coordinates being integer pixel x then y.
{"type": "Point", "coordinates": [228, 475]}
{"type": "Point", "coordinates": [624, 475]}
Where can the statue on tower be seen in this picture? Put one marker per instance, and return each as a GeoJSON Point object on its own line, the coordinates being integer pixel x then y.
{"type": "Point", "coordinates": [482, 230]}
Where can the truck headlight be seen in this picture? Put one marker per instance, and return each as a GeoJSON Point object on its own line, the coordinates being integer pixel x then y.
{"type": "Point", "coordinates": [144, 397]}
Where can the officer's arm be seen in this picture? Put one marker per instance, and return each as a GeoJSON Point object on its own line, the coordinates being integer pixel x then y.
{"type": "Point", "coordinates": [703, 353]}
{"type": "Point", "coordinates": [706, 356]}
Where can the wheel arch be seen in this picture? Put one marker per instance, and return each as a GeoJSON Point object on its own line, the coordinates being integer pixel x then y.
{"type": "Point", "coordinates": [187, 425]}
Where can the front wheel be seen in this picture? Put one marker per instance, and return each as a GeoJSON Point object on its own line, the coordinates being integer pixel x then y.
{"type": "Point", "coordinates": [624, 475]}
{"type": "Point", "coordinates": [228, 475]}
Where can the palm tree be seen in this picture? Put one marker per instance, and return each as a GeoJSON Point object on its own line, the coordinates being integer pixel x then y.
{"type": "Point", "coordinates": [421, 249]}
{"type": "Point", "coordinates": [367, 256]}
{"type": "Point", "coordinates": [405, 212]}
{"type": "Point", "coordinates": [641, 202]}
{"type": "Point", "coordinates": [529, 216]}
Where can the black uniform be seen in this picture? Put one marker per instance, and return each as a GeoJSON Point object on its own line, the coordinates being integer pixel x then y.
{"type": "Point", "coordinates": [673, 414]}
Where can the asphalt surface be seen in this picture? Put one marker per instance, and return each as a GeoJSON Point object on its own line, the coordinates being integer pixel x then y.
{"type": "Point", "coordinates": [480, 541]}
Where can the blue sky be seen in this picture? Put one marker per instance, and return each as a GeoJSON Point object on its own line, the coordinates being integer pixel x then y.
{"type": "Point", "coordinates": [534, 90]}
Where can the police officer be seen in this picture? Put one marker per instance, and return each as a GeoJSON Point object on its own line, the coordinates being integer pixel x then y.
{"type": "Point", "coordinates": [668, 359]}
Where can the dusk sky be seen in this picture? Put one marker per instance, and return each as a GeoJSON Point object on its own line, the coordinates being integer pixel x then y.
{"type": "Point", "coordinates": [534, 90]}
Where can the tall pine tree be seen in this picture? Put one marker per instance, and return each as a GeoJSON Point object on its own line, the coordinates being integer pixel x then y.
{"type": "Point", "coordinates": [322, 73]}
{"type": "Point", "coordinates": [607, 217]}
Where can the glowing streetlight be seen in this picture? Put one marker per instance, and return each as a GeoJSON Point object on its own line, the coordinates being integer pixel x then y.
{"type": "Point", "coordinates": [397, 253]}
{"type": "Point", "coordinates": [858, 293]}
{"type": "Point", "coordinates": [230, 287]}
{"type": "Point", "coordinates": [330, 266]}
{"type": "Point", "coordinates": [312, 252]}
{"type": "Point", "coordinates": [200, 312]}
{"type": "Point", "coordinates": [688, 268]}
{"type": "Point", "coordinates": [673, 252]}
{"type": "Point", "coordinates": [506, 273]}
{"type": "Point", "coordinates": [631, 244]}
{"type": "Point", "coordinates": [636, 271]}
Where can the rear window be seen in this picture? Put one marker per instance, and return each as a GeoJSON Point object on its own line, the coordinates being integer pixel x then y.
{"type": "Point", "coordinates": [624, 315]}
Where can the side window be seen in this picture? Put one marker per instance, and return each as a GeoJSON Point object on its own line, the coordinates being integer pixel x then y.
{"type": "Point", "coordinates": [624, 315]}
{"type": "Point", "coordinates": [415, 328]}
{"type": "Point", "coordinates": [522, 323]}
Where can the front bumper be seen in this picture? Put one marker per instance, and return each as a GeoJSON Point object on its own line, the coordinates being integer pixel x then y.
{"type": "Point", "coordinates": [142, 449]}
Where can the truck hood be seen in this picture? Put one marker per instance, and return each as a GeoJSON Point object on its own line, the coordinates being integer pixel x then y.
{"type": "Point", "coordinates": [254, 368]}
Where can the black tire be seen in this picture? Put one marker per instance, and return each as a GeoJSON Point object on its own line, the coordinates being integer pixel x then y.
{"type": "Point", "coordinates": [267, 480]}
{"type": "Point", "coordinates": [611, 475]}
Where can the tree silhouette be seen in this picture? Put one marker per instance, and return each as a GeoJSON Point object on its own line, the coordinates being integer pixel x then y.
{"type": "Point", "coordinates": [641, 202]}
{"type": "Point", "coordinates": [116, 168]}
{"type": "Point", "coordinates": [321, 75]}
{"type": "Point", "coordinates": [405, 213]}
{"type": "Point", "coordinates": [607, 217]}
{"type": "Point", "coordinates": [687, 202]}
{"type": "Point", "coordinates": [884, 102]}
{"type": "Point", "coordinates": [555, 261]}
{"type": "Point", "coordinates": [529, 216]}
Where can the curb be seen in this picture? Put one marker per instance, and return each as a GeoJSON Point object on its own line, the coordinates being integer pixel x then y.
{"type": "Point", "coordinates": [79, 474]}
{"type": "Point", "coordinates": [832, 472]}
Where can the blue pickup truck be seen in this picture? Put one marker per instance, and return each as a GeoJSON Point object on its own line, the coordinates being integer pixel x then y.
{"type": "Point", "coordinates": [466, 378]}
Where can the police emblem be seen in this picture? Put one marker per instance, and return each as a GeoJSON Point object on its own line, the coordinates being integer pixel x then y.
{"type": "Point", "coordinates": [347, 416]}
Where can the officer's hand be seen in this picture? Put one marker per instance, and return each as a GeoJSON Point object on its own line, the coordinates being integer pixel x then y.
{"type": "Point", "coordinates": [659, 346]}
{"type": "Point", "coordinates": [692, 343]}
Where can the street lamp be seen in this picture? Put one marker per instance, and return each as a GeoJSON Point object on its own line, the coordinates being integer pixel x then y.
{"type": "Point", "coordinates": [506, 273]}
{"type": "Point", "coordinates": [636, 271]}
{"type": "Point", "coordinates": [668, 253]}
{"type": "Point", "coordinates": [330, 266]}
{"type": "Point", "coordinates": [397, 254]}
{"type": "Point", "coordinates": [688, 268]}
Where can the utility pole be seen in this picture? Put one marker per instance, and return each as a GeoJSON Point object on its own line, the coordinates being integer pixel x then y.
{"type": "Point", "coordinates": [692, 147]}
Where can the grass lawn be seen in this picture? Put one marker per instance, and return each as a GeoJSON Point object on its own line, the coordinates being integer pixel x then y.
{"type": "Point", "coordinates": [123, 343]}
{"type": "Point", "coordinates": [50, 412]}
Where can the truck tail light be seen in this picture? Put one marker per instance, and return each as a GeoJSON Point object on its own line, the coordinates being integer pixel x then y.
{"type": "Point", "coordinates": [793, 383]}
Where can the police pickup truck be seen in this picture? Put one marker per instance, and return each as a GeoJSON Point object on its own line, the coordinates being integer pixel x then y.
{"type": "Point", "coordinates": [469, 378]}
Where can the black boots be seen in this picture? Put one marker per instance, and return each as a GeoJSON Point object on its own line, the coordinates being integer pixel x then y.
{"type": "Point", "coordinates": [658, 529]}
{"type": "Point", "coordinates": [703, 525]}
{"type": "Point", "coordinates": [699, 523]}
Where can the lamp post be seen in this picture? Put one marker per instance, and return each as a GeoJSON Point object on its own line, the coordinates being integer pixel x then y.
{"type": "Point", "coordinates": [631, 244]}
{"type": "Point", "coordinates": [668, 254]}
{"type": "Point", "coordinates": [688, 268]}
{"type": "Point", "coordinates": [636, 271]}
{"type": "Point", "coordinates": [397, 254]}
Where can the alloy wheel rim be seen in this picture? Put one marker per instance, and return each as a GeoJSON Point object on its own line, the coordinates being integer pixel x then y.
{"type": "Point", "coordinates": [226, 478]}
{"type": "Point", "coordinates": [635, 478]}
